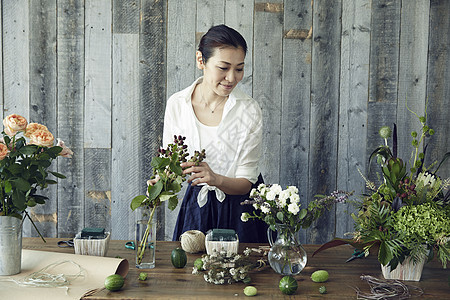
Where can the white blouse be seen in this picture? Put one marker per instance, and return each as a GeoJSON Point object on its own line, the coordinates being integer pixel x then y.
{"type": "Point", "coordinates": [237, 150]}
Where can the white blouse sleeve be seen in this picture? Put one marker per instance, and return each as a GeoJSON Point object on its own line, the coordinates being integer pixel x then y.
{"type": "Point", "coordinates": [248, 163]}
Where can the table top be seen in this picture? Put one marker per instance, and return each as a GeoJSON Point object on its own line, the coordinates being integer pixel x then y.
{"type": "Point", "coordinates": [167, 282]}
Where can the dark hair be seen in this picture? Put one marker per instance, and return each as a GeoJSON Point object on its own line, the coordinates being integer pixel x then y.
{"type": "Point", "coordinates": [220, 36]}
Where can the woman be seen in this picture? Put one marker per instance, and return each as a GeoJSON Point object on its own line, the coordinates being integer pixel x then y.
{"type": "Point", "coordinates": [216, 116]}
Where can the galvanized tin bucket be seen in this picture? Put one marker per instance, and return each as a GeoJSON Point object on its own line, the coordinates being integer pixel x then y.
{"type": "Point", "coordinates": [10, 245]}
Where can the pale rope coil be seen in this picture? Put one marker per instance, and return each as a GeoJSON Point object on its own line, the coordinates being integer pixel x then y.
{"type": "Point", "coordinates": [193, 241]}
{"type": "Point", "coordinates": [42, 278]}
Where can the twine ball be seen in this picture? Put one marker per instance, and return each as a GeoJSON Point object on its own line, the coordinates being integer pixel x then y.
{"type": "Point", "coordinates": [193, 241]}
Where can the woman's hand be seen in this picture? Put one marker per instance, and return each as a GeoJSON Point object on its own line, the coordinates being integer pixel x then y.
{"type": "Point", "coordinates": [200, 173]}
{"type": "Point", "coordinates": [153, 181]}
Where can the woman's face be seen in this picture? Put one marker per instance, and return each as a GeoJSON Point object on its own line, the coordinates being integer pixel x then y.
{"type": "Point", "coordinates": [223, 70]}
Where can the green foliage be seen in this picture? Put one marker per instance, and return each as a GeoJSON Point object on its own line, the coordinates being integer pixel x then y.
{"type": "Point", "coordinates": [167, 168]}
{"type": "Point", "coordinates": [408, 215]}
{"type": "Point", "coordinates": [23, 172]}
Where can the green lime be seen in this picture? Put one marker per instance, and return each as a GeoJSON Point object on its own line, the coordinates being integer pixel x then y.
{"type": "Point", "coordinates": [178, 258]}
{"type": "Point", "coordinates": [319, 276]}
{"type": "Point", "coordinates": [250, 291]}
{"type": "Point", "coordinates": [114, 282]}
{"type": "Point", "coordinates": [143, 276]}
{"type": "Point", "coordinates": [198, 264]}
{"type": "Point", "coordinates": [288, 285]}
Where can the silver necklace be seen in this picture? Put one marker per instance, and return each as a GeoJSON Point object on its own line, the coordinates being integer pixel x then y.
{"type": "Point", "coordinates": [207, 105]}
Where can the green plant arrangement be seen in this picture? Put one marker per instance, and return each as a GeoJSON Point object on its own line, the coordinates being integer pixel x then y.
{"type": "Point", "coordinates": [407, 216]}
{"type": "Point", "coordinates": [167, 169]}
{"type": "Point", "coordinates": [26, 153]}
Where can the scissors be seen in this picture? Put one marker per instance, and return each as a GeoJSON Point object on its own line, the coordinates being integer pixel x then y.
{"type": "Point", "coordinates": [130, 245]}
{"type": "Point", "coordinates": [65, 244]}
{"type": "Point", "coordinates": [356, 254]}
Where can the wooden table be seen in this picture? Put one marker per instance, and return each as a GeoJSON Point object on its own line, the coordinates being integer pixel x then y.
{"type": "Point", "coordinates": [167, 282]}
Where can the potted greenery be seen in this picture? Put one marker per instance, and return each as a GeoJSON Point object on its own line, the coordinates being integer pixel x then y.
{"type": "Point", "coordinates": [406, 218]}
{"type": "Point", "coordinates": [167, 169]}
{"type": "Point", "coordinates": [26, 153]}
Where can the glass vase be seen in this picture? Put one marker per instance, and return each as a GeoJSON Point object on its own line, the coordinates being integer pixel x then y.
{"type": "Point", "coordinates": [145, 238]}
{"type": "Point", "coordinates": [286, 256]}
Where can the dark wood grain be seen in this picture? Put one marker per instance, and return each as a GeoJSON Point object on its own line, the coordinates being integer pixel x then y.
{"type": "Point", "coordinates": [324, 118]}
{"type": "Point", "coordinates": [43, 100]}
{"type": "Point", "coordinates": [70, 95]}
{"type": "Point", "coordinates": [167, 282]}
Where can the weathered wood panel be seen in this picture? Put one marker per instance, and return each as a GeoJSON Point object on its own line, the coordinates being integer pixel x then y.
{"type": "Point", "coordinates": [296, 96]}
{"type": "Point", "coordinates": [43, 75]}
{"type": "Point", "coordinates": [324, 112]}
{"type": "Point", "coordinates": [412, 72]}
{"type": "Point", "coordinates": [383, 74]}
{"type": "Point", "coordinates": [152, 75]}
{"type": "Point", "coordinates": [438, 83]}
{"type": "Point", "coordinates": [181, 47]}
{"type": "Point", "coordinates": [97, 186]}
{"type": "Point", "coordinates": [70, 56]}
{"type": "Point", "coordinates": [125, 178]}
{"type": "Point", "coordinates": [355, 47]}
{"type": "Point", "coordinates": [15, 50]}
{"type": "Point", "coordinates": [97, 104]}
{"type": "Point", "coordinates": [267, 46]}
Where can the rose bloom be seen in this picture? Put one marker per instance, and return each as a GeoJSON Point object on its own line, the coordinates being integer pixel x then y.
{"type": "Point", "coordinates": [10, 132]}
{"type": "Point", "coordinates": [15, 122]}
{"type": "Point", "coordinates": [3, 151]}
{"type": "Point", "coordinates": [32, 127]}
{"type": "Point", "coordinates": [42, 138]}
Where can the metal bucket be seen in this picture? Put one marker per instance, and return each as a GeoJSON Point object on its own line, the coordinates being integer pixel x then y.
{"type": "Point", "coordinates": [10, 245]}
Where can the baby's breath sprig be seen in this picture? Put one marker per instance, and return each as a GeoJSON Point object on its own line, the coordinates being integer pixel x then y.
{"type": "Point", "coordinates": [221, 268]}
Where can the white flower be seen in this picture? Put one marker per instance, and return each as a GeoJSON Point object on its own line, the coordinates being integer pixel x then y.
{"type": "Point", "coordinates": [232, 271]}
{"type": "Point", "coordinates": [295, 198]}
{"type": "Point", "coordinates": [265, 208]}
{"type": "Point", "coordinates": [244, 217]}
{"type": "Point", "coordinates": [276, 188]}
{"type": "Point", "coordinates": [271, 195]}
{"type": "Point", "coordinates": [256, 206]}
{"type": "Point", "coordinates": [293, 189]}
{"type": "Point", "coordinates": [293, 208]}
{"type": "Point", "coordinates": [284, 195]}
{"type": "Point", "coordinates": [253, 193]}
{"type": "Point", "coordinates": [261, 187]}
{"type": "Point", "coordinates": [281, 202]}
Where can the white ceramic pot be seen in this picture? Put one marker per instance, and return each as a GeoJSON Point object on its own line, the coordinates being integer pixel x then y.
{"type": "Point", "coordinates": [409, 270]}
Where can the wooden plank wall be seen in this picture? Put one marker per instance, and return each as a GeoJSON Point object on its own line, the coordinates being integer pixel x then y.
{"type": "Point", "coordinates": [326, 74]}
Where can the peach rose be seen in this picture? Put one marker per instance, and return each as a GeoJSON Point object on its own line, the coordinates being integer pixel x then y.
{"type": "Point", "coordinates": [42, 138]}
{"type": "Point", "coordinates": [3, 151]}
{"type": "Point", "coordinates": [10, 132]}
{"type": "Point", "coordinates": [65, 152]}
{"type": "Point", "coordinates": [32, 127]}
{"type": "Point", "coordinates": [15, 123]}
